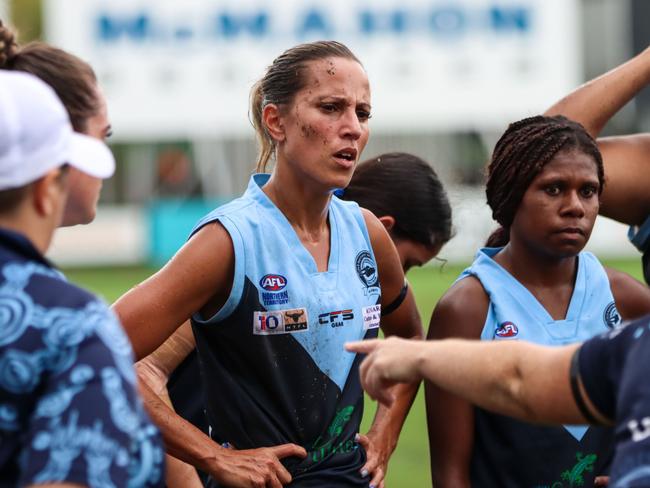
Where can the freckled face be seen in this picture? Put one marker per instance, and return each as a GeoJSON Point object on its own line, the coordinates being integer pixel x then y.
{"type": "Point", "coordinates": [326, 126]}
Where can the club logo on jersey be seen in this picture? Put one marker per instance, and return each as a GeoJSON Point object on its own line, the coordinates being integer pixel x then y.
{"type": "Point", "coordinates": [367, 272]}
{"type": "Point", "coordinates": [280, 321]}
{"type": "Point", "coordinates": [507, 329]}
{"type": "Point", "coordinates": [371, 316]}
{"type": "Point", "coordinates": [336, 319]}
{"type": "Point", "coordinates": [274, 293]}
{"type": "Point", "coordinates": [611, 317]}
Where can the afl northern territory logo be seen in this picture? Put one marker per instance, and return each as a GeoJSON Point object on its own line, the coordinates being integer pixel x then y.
{"type": "Point", "coordinates": [273, 282]}
{"type": "Point", "coordinates": [367, 272]}
{"type": "Point", "coordinates": [611, 317]}
{"type": "Point", "coordinates": [507, 329]}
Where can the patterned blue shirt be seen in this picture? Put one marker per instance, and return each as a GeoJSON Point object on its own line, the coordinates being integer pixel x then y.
{"type": "Point", "coordinates": [69, 411]}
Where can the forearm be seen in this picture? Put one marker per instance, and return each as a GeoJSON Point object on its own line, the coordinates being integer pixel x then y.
{"type": "Point", "coordinates": [595, 102]}
{"type": "Point", "coordinates": [518, 379]}
{"type": "Point", "coordinates": [388, 421]}
{"type": "Point", "coordinates": [182, 439]}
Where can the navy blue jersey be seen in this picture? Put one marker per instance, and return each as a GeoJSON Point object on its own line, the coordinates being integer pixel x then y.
{"type": "Point", "coordinates": [508, 452]}
{"type": "Point", "coordinates": [640, 237]}
{"type": "Point", "coordinates": [613, 368]}
{"type": "Point", "coordinates": [272, 359]}
{"type": "Point", "coordinates": [69, 411]}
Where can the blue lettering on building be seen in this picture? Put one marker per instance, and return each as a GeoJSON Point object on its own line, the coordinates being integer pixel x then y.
{"type": "Point", "coordinates": [448, 22]}
{"type": "Point", "coordinates": [515, 19]}
{"type": "Point", "coordinates": [231, 25]}
{"type": "Point", "coordinates": [313, 22]}
{"type": "Point", "coordinates": [373, 22]}
{"type": "Point", "coordinates": [442, 20]}
{"type": "Point", "coordinates": [112, 27]}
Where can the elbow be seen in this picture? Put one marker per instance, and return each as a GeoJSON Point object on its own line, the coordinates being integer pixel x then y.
{"type": "Point", "coordinates": [517, 399]}
{"type": "Point", "coordinates": [152, 376]}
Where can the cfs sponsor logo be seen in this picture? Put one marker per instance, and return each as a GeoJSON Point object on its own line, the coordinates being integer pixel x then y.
{"type": "Point", "coordinates": [280, 321]}
{"type": "Point", "coordinates": [367, 272]}
{"type": "Point", "coordinates": [371, 316]}
{"type": "Point", "coordinates": [337, 318]}
{"type": "Point", "coordinates": [507, 329]}
{"type": "Point", "coordinates": [274, 293]}
{"type": "Point", "coordinates": [611, 317]}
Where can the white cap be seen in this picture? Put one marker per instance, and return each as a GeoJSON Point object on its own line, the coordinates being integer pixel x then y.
{"type": "Point", "coordinates": [36, 135]}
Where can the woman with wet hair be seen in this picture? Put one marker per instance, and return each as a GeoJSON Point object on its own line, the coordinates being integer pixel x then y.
{"type": "Point", "coordinates": [274, 283]}
{"type": "Point", "coordinates": [534, 282]}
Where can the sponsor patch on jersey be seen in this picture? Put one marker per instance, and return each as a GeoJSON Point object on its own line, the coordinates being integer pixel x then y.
{"type": "Point", "coordinates": [367, 272]}
{"type": "Point", "coordinates": [611, 317]}
{"type": "Point", "coordinates": [274, 293]}
{"type": "Point", "coordinates": [507, 329]}
{"type": "Point", "coordinates": [371, 316]}
{"type": "Point", "coordinates": [337, 318]}
{"type": "Point", "coordinates": [280, 321]}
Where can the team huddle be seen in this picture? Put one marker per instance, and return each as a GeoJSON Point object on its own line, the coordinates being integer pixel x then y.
{"type": "Point", "coordinates": [243, 361]}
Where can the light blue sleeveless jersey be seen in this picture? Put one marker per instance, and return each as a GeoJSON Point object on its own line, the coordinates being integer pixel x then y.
{"type": "Point", "coordinates": [513, 453]}
{"type": "Point", "coordinates": [272, 358]}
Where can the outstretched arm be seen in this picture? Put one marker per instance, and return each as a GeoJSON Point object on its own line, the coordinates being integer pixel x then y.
{"type": "Point", "coordinates": [627, 159]}
{"type": "Point", "coordinates": [517, 379]}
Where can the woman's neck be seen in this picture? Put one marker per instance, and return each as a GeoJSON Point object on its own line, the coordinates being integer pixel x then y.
{"type": "Point", "coordinates": [536, 268]}
{"type": "Point", "coordinates": [304, 206]}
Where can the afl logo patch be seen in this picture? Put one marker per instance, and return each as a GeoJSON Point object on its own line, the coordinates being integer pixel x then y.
{"type": "Point", "coordinates": [611, 317]}
{"type": "Point", "coordinates": [273, 282]}
{"type": "Point", "coordinates": [367, 272]}
{"type": "Point", "coordinates": [507, 329]}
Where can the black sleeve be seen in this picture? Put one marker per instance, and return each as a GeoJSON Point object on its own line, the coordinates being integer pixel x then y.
{"type": "Point", "coordinates": [599, 364]}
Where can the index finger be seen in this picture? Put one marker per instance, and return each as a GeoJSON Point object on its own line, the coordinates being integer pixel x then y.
{"type": "Point", "coordinates": [286, 450]}
{"type": "Point", "coordinates": [364, 347]}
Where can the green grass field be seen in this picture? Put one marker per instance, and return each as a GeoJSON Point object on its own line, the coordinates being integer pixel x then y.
{"type": "Point", "coordinates": [409, 465]}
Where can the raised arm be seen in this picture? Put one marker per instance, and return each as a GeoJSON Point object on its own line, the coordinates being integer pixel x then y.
{"type": "Point", "coordinates": [403, 321]}
{"type": "Point", "coordinates": [627, 162]}
{"type": "Point", "coordinates": [595, 103]}
{"type": "Point", "coordinates": [461, 312]}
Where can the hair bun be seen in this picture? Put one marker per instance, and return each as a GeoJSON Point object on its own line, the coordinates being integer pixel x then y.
{"type": "Point", "coordinates": [8, 45]}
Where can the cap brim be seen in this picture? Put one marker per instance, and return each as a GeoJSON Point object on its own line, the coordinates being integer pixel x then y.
{"type": "Point", "coordinates": [91, 156]}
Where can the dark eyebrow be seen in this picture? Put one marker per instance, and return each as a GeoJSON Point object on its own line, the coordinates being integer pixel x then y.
{"type": "Point", "coordinates": [339, 99]}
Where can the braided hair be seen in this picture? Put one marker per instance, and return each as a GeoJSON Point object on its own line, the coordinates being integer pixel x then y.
{"type": "Point", "coordinates": [520, 155]}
